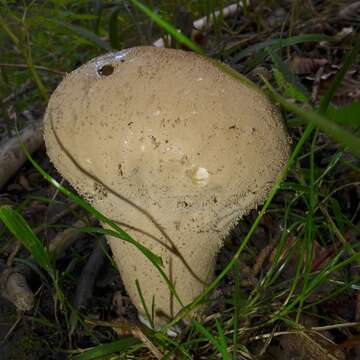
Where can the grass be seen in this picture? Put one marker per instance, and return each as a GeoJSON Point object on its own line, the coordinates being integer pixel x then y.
{"type": "Point", "coordinates": [305, 200]}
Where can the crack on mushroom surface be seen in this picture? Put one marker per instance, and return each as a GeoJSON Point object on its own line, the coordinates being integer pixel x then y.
{"type": "Point", "coordinates": [176, 161]}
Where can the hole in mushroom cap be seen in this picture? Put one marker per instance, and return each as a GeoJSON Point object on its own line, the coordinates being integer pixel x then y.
{"type": "Point", "coordinates": [106, 70]}
{"type": "Point", "coordinates": [200, 176]}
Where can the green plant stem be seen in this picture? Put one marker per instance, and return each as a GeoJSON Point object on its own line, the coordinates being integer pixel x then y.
{"type": "Point", "coordinates": [309, 228]}
{"type": "Point", "coordinates": [167, 27]}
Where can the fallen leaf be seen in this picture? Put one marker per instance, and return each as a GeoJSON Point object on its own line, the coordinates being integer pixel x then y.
{"type": "Point", "coordinates": [301, 65]}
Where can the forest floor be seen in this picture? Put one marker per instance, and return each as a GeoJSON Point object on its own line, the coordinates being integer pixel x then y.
{"type": "Point", "coordinates": [294, 292]}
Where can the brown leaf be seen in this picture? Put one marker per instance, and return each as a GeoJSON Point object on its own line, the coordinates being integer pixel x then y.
{"type": "Point", "coordinates": [300, 65]}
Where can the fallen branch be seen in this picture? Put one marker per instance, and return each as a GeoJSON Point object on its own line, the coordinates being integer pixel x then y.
{"type": "Point", "coordinates": [204, 23]}
{"type": "Point", "coordinates": [88, 276]}
{"type": "Point", "coordinates": [14, 288]}
{"type": "Point", "coordinates": [11, 155]}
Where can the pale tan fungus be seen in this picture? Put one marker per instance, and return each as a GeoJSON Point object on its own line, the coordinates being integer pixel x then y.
{"type": "Point", "coordinates": [188, 148]}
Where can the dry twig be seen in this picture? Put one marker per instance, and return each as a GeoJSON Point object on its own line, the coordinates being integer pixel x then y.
{"type": "Point", "coordinates": [11, 155]}
{"type": "Point", "coordinates": [88, 276]}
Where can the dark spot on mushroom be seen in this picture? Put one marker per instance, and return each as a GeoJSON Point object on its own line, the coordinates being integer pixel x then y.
{"type": "Point", "coordinates": [120, 170]}
{"type": "Point", "coordinates": [232, 127]}
{"type": "Point", "coordinates": [100, 191]}
{"type": "Point", "coordinates": [155, 143]}
{"type": "Point", "coordinates": [106, 70]}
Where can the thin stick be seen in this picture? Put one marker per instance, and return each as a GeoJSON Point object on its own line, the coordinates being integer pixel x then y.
{"type": "Point", "coordinates": [204, 23]}
{"type": "Point", "coordinates": [11, 155]}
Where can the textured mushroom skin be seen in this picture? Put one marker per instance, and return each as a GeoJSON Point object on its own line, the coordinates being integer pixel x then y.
{"type": "Point", "coordinates": [175, 150]}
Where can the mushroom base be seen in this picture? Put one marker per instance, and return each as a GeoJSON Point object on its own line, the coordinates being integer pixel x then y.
{"type": "Point", "coordinates": [188, 266]}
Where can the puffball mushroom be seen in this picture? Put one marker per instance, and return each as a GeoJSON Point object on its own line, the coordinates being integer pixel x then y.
{"type": "Point", "coordinates": [174, 148]}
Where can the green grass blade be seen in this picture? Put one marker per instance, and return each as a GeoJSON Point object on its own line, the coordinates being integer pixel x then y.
{"type": "Point", "coordinates": [34, 266]}
{"type": "Point", "coordinates": [167, 27]}
{"type": "Point", "coordinates": [114, 31]}
{"type": "Point", "coordinates": [347, 115]}
{"type": "Point", "coordinates": [237, 308]}
{"type": "Point", "coordinates": [22, 231]}
{"type": "Point", "coordinates": [143, 303]}
{"type": "Point", "coordinates": [99, 230]}
{"type": "Point", "coordinates": [335, 131]}
{"type": "Point", "coordinates": [99, 16]}
{"type": "Point", "coordinates": [100, 351]}
{"type": "Point", "coordinates": [288, 80]}
{"type": "Point", "coordinates": [222, 340]}
{"type": "Point", "coordinates": [202, 330]}
{"type": "Point", "coordinates": [81, 32]}
{"type": "Point", "coordinates": [280, 43]}
{"type": "Point", "coordinates": [287, 88]}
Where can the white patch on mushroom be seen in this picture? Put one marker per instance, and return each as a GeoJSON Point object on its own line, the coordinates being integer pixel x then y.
{"type": "Point", "coordinates": [120, 55]}
{"type": "Point", "coordinates": [200, 176]}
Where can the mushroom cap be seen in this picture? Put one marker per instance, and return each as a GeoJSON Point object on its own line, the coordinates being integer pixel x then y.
{"type": "Point", "coordinates": [171, 132]}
